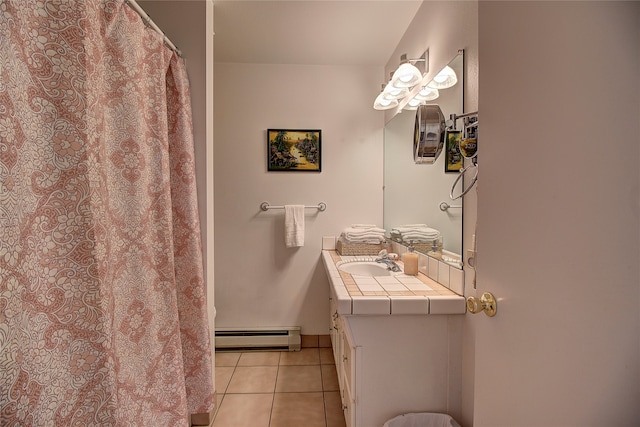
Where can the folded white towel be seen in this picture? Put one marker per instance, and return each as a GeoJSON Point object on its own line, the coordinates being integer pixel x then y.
{"type": "Point", "coordinates": [425, 234]}
{"type": "Point", "coordinates": [351, 231]}
{"type": "Point", "coordinates": [360, 237]}
{"type": "Point", "coordinates": [370, 239]}
{"type": "Point", "coordinates": [294, 225]}
{"type": "Point", "coordinates": [372, 234]}
{"type": "Point", "coordinates": [411, 228]}
{"type": "Point", "coordinates": [416, 233]}
{"type": "Point", "coordinates": [363, 226]}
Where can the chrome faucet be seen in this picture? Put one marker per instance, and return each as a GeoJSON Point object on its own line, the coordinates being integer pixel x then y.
{"type": "Point", "coordinates": [383, 257]}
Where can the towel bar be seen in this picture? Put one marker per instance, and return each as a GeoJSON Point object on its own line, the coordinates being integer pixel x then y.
{"type": "Point", "coordinates": [445, 206]}
{"type": "Point", "coordinates": [265, 206]}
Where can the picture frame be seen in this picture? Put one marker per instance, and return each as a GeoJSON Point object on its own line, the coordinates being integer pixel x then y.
{"type": "Point", "coordinates": [294, 150]}
{"type": "Point", "coordinates": [453, 159]}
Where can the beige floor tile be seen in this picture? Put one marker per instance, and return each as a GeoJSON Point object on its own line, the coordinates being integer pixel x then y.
{"type": "Point", "coordinates": [298, 410]}
{"type": "Point", "coordinates": [299, 379]}
{"type": "Point", "coordinates": [245, 382]}
{"type": "Point", "coordinates": [223, 376]}
{"type": "Point", "coordinates": [253, 379]}
{"type": "Point", "coordinates": [326, 356]}
{"type": "Point", "coordinates": [329, 378]}
{"type": "Point", "coordinates": [227, 359]}
{"type": "Point", "coordinates": [260, 358]}
{"type": "Point", "coordinates": [306, 356]}
{"type": "Point", "coordinates": [219, 397]}
{"type": "Point", "coordinates": [244, 410]}
{"type": "Point", "coordinates": [333, 409]}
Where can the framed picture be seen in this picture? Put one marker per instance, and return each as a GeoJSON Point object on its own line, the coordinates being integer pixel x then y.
{"type": "Point", "coordinates": [453, 158]}
{"type": "Point", "coordinates": [294, 150]}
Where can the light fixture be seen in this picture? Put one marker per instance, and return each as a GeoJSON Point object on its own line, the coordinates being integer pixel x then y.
{"type": "Point", "coordinates": [407, 75]}
{"type": "Point", "coordinates": [444, 79]}
{"type": "Point", "coordinates": [383, 103]}
{"type": "Point", "coordinates": [427, 94]}
{"type": "Point", "coordinates": [392, 92]}
{"type": "Point", "coordinates": [412, 104]}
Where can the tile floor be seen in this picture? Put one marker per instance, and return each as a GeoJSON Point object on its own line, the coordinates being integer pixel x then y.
{"type": "Point", "coordinates": [278, 389]}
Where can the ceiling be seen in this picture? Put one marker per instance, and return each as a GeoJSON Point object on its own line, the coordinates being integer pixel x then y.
{"type": "Point", "coordinates": [310, 32]}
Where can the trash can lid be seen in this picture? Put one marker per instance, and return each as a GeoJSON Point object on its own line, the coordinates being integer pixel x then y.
{"type": "Point", "coordinates": [422, 419]}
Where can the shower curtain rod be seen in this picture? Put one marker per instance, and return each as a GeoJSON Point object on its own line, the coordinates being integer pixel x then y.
{"type": "Point", "coordinates": [149, 23]}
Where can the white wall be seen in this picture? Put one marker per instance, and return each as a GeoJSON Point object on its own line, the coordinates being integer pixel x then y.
{"type": "Point", "coordinates": [260, 282]}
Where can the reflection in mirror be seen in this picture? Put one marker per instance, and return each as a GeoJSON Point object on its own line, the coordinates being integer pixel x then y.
{"type": "Point", "coordinates": [413, 193]}
{"type": "Point", "coordinates": [428, 133]}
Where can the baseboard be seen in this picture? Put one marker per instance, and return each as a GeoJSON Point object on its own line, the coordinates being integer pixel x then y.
{"type": "Point", "coordinates": [315, 341]}
{"type": "Point", "coordinates": [203, 419]}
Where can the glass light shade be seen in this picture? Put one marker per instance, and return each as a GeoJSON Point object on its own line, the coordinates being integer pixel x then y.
{"type": "Point", "coordinates": [413, 104]}
{"type": "Point", "coordinates": [445, 79]}
{"type": "Point", "coordinates": [382, 103]}
{"type": "Point", "coordinates": [392, 92]}
{"type": "Point", "coordinates": [407, 75]}
{"type": "Point", "coordinates": [427, 94]}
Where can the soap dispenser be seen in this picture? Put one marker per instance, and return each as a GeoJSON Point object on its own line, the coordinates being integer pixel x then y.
{"type": "Point", "coordinates": [410, 260]}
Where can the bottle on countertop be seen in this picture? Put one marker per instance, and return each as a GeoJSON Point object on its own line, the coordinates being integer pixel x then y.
{"type": "Point", "coordinates": [410, 260]}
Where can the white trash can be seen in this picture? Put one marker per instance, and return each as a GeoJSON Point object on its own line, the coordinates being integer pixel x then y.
{"type": "Point", "coordinates": [422, 419]}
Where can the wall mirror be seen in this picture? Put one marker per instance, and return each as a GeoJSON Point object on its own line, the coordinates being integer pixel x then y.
{"type": "Point", "coordinates": [414, 193]}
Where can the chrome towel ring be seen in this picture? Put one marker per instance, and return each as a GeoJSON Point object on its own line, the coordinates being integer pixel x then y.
{"type": "Point", "coordinates": [469, 151]}
{"type": "Point", "coordinates": [471, 184]}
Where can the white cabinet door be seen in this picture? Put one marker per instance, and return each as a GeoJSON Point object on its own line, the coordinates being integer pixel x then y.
{"type": "Point", "coordinates": [348, 370]}
{"type": "Point", "coordinates": [334, 331]}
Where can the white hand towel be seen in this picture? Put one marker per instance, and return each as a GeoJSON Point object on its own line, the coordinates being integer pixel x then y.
{"type": "Point", "coordinates": [294, 225]}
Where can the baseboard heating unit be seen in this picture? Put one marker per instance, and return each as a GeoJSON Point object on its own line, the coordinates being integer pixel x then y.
{"type": "Point", "coordinates": [286, 338]}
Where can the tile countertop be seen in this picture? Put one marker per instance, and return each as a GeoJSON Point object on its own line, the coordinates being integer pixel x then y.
{"type": "Point", "coordinates": [388, 295]}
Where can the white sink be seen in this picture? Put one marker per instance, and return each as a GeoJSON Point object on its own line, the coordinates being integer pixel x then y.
{"type": "Point", "coordinates": [364, 268]}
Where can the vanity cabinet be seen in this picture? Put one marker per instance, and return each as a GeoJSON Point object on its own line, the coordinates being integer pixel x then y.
{"type": "Point", "coordinates": [389, 365]}
{"type": "Point", "coordinates": [394, 354]}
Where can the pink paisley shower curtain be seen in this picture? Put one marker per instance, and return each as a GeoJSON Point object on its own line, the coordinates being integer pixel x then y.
{"type": "Point", "coordinates": [103, 318]}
